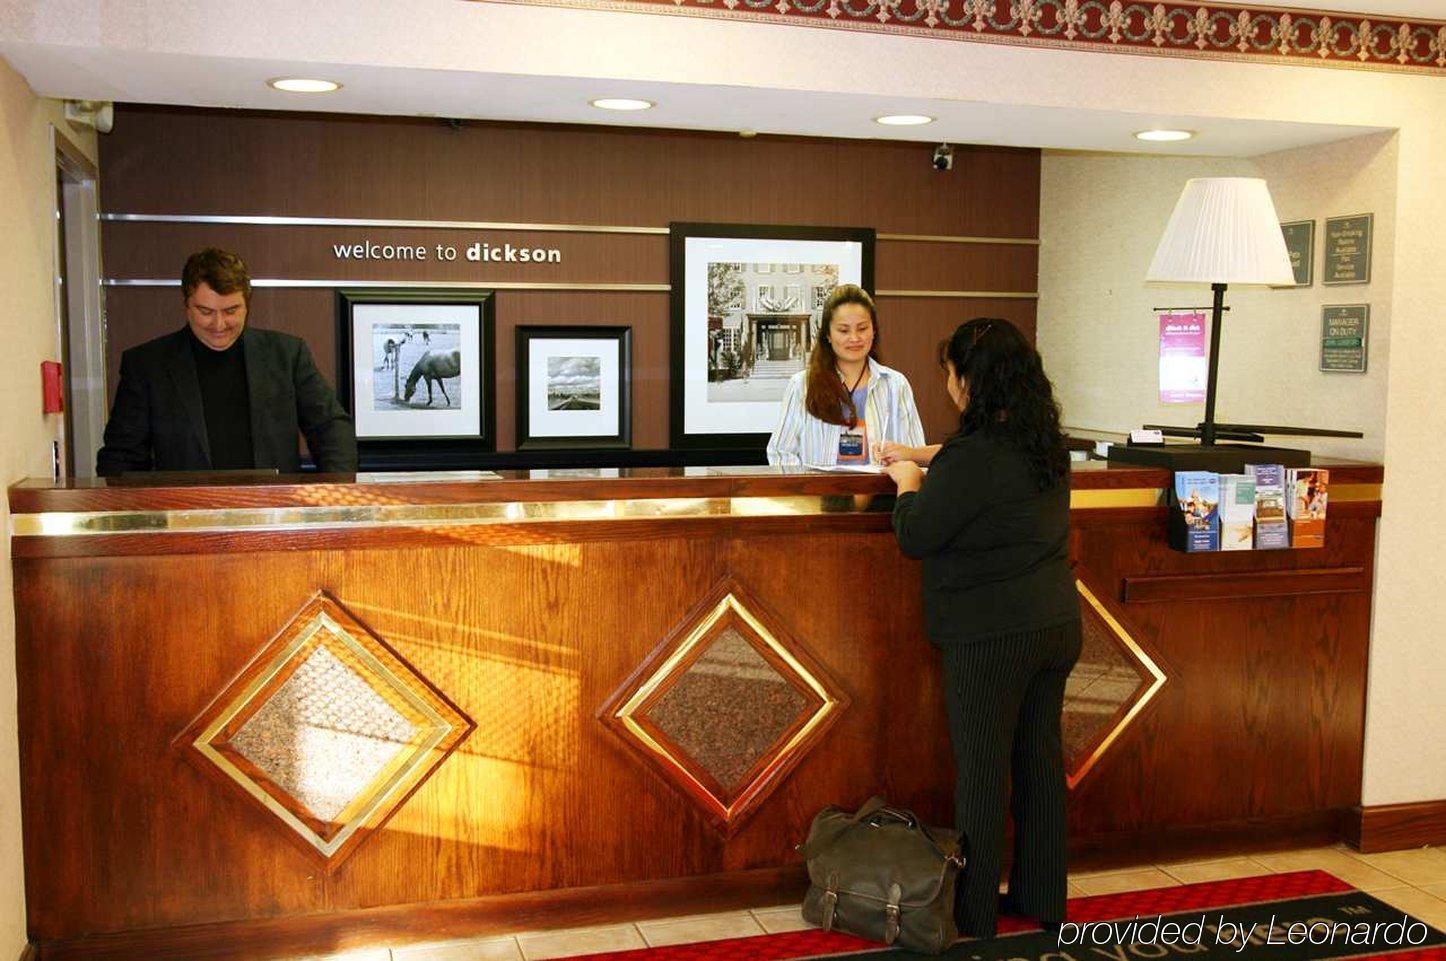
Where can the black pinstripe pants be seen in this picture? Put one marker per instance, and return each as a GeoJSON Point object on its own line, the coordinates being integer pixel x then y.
{"type": "Point", "coordinates": [1004, 697]}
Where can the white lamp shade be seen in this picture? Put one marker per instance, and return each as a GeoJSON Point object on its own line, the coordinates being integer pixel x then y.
{"type": "Point", "coordinates": [1224, 231]}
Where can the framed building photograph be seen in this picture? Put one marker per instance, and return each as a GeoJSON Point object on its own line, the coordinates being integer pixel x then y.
{"type": "Point", "coordinates": [416, 365]}
{"type": "Point", "coordinates": [574, 387]}
{"type": "Point", "coordinates": [747, 301]}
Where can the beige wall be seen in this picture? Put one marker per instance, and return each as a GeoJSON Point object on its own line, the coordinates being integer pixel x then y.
{"type": "Point", "coordinates": [28, 331]}
{"type": "Point", "coordinates": [1100, 218]}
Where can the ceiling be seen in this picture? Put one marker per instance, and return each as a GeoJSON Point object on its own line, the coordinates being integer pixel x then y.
{"type": "Point", "coordinates": [160, 53]}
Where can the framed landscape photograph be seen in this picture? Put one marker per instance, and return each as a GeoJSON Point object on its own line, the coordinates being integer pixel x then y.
{"type": "Point", "coordinates": [416, 366]}
{"type": "Point", "coordinates": [746, 305]}
{"type": "Point", "coordinates": [574, 387]}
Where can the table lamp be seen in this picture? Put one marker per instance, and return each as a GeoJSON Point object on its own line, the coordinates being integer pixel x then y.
{"type": "Point", "coordinates": [1224, 231]}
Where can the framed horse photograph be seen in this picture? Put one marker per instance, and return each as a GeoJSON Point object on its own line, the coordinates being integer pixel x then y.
{"type": "Point", "coordinates": [415, 369]}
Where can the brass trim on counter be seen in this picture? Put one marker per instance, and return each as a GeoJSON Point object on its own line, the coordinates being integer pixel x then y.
{"type": "Point", "coordinates": [1346, 493]}
{"type": "Point", "coordinates": [360, 516]}
{"type": "Point", "coordinates": [1116, 497]}
{"type": "Point", "coordinates": [276, 519]}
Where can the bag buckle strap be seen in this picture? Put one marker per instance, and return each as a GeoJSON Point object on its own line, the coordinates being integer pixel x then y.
{"type": "Point", "coordinates": [829, 901]}
{"type": "Point", "coordinates": [891, 914]}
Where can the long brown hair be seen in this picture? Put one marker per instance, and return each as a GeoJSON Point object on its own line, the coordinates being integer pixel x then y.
{"type": "Point", "coordinates": [1010, 398]}
{"type": "Point", "coordinates": [826, 397]}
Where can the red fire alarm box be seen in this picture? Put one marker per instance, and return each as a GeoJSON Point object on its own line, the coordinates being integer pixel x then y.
{"type": "Point", "coordinates": [51, 388]}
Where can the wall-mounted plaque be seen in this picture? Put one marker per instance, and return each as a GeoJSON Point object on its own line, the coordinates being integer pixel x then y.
{"type": "Point", "coordinates": [1343, 330]}
{"type": "Point", "coordinates": [1348, 250]}
{"type": "Point", "coordinates": [1300, 244]}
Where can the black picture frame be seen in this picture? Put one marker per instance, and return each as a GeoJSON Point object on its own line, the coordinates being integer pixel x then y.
{"type": "Point", "coordinates": [1300, 245]}
{"type": "Point", "coordinates": [684, 433]}
{"type": "Point", "coordinates": [528, 420]}
{"type": "Point", "coordinates": [390, 448]}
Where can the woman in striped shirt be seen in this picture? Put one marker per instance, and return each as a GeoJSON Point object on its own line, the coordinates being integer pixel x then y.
{"type": "Point", "coordinates": [844, 404]}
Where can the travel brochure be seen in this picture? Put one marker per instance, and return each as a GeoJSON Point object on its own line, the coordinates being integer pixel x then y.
{"type": "Point", "coordinates": [1268, 507]}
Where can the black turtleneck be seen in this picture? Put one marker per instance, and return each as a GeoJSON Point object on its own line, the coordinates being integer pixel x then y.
{"type": "Point", "coordinates": [226, 401]}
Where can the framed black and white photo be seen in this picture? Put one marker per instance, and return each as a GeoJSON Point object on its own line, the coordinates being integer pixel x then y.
{"type": "Point", "coordinates": [746, 305]}
{"type": "Point", "coordinates": [416, 366]}
{"type": "Point", "coordinates": [574, 387]}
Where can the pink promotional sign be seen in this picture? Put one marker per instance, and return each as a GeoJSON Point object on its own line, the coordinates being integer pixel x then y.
{"type": "Point", "coordinates": [1182, 358]}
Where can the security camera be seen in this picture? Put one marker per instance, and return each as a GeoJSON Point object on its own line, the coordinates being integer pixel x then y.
{"type": "Point", "coordinates": [99, 114]}
{"type": "Point", "coordinates": [943, 157]}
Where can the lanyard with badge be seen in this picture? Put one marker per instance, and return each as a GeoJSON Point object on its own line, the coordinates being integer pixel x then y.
{"type": "Point", "coordinates": [851, 441]}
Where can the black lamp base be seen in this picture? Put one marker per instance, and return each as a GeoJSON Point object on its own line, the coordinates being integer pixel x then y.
{"type": "Point", "coordinates": [1221, 458]}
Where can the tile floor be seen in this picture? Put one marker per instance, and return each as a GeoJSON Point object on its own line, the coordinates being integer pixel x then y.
{"type": "Point", "coordinates": [1414, 881]}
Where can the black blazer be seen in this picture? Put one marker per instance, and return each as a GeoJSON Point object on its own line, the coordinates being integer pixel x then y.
{"type": "Point", "coordinates": [995, 547]}
{"type": "Point", "coordinates": [157, 422]}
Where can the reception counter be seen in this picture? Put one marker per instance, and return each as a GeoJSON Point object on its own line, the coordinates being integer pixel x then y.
{"type": "Point", "coordinates": [271, 715]}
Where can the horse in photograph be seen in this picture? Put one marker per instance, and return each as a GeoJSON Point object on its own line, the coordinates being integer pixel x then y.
{"type": "Point", "coordinates": [392, 350]}
{"type": "Point", "coordinates": [434, 365]}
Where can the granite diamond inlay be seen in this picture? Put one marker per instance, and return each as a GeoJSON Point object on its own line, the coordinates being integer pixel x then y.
{"type": "Point", "coordinates": [1109, 686]}
{"type": "Point", "coordinates": [726, 706]}
{"type": "Point", "coordinates": [324, 735]}
{"type": "Point", "coordinates": [328, 729]}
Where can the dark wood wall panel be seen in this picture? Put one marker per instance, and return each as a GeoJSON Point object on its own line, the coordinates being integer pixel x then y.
{"type": "Point", "coordinates": [911, 328]}
{"type": "Point", "coordinates": [163, 161]}
{"type": "Point", "coordinates": [1275, 682]}
{"type": "Point", "coordinates": [166, 160]}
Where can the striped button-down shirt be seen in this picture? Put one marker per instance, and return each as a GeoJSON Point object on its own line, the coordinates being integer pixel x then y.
{"type": "Point", "coordinates": [889, 414]}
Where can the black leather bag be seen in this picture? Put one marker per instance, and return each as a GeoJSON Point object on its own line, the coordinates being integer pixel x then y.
{"type": "Point", "coordinates": [881, 874]}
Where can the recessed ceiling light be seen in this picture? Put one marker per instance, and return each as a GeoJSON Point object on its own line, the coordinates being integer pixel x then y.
{"type": "Point", "coordinates": [304, 85]}
{"type": "Point", "coordinates": [904, 120]}
{"type": "Point", "coordinates": [622, 103]}
{"type": "Point", "coordinates": [1164, 136]}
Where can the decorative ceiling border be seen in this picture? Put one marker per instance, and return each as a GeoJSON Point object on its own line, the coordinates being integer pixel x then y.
{"type": "Point", "coordinates": [1210, 31]}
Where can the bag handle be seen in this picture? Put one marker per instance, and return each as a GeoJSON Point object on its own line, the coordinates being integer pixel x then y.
{"type": "Point", "coordinates": [874, 810]}
{"type": "Point", "coordinates": [813, 846]}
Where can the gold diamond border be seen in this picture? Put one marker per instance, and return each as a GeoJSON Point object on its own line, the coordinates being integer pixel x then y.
{"type": "Point", "coordinates": [1133, 649]}
{"type": "Point", "coordinates": [622, 710]}
{"type": "Point", "coordinates": [448, 726]}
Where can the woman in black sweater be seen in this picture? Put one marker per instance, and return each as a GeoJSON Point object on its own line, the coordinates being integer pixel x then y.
{"type": "Point", "coordinates": [991, 523]}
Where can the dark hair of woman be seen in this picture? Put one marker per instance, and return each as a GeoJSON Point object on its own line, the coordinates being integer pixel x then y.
{"type": "Point", "coordinates": [1010, 398]}
{"type": "Point", "coordinates": [826, 396]}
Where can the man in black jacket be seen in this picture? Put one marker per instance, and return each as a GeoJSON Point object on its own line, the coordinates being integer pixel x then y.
{"type": "Point", "coordinates": [219, 395]}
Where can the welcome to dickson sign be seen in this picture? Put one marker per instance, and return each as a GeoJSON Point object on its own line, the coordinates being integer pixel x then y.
{"type": "Point", "coordinates": [477, 252]}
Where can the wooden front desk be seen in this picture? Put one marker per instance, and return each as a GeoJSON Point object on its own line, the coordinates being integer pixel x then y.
{"type": "Point", "coordinates": [1220, 701]}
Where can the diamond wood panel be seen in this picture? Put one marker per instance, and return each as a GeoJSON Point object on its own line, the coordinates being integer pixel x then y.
{"type": "Point", "coordinates": [726, 706]}
{"type": "Point", "coordinates": [327, 729]}
{"type": "Point", "coordinates": [1110, 685]}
